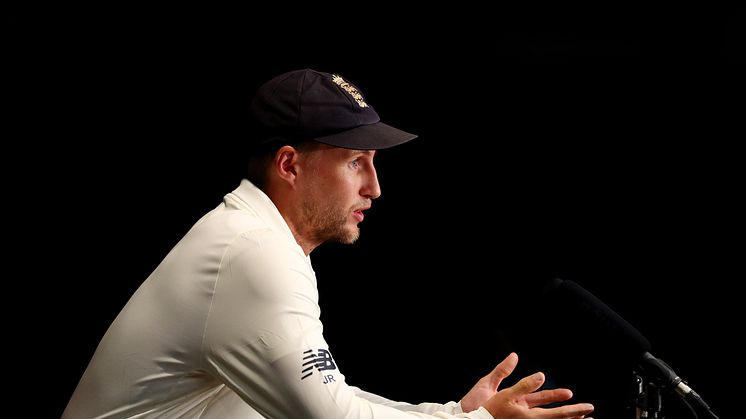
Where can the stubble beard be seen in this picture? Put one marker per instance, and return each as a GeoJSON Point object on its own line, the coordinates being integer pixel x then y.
{"type": "Point", "coordinates": [329, 223]}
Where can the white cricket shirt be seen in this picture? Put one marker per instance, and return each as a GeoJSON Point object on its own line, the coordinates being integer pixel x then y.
{"type": "Point", "coordinates": [227, 326]}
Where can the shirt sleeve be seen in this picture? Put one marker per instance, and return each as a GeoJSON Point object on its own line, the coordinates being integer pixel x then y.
{"type": "Point", "coordinates": [452, 408]}
{"type": "Point", "coordinates": [264, 339]}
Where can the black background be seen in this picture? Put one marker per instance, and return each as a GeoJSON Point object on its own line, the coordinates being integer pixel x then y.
{"type": "Point", "coordinates": [595, 145]}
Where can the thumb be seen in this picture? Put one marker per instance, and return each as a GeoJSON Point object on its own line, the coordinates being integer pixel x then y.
{"type": "Point", "coordinates": [502, 370]}
{"type": "Point", "coordinates": [527, 385]}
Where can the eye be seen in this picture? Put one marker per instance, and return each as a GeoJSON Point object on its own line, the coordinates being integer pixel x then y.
{"type": "Point", "coordinates": [355, 163]}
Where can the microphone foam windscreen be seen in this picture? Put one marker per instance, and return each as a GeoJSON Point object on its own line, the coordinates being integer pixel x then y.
{"type": "Point", "coordinates": [582, 311]}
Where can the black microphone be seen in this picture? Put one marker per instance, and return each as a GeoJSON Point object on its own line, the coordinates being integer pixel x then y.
{"type": "Point", "coordinates": [569, 295]}
{"type": "Point", "coordinates": [570, 298]}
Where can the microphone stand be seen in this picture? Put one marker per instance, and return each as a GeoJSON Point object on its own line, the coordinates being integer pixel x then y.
{"type": "Point", "coordinates": [652, 377]}
{"type": "Point", "coordinates": [647, 399]}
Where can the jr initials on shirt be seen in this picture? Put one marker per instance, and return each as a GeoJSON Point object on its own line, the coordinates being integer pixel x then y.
{"type": "Point", "coordinates": [322, 360]}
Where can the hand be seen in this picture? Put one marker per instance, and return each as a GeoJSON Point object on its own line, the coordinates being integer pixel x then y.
{"type": "Point", "coordinates": [486, 387]}
{"type": "Point", "coordinates": [521, 400]}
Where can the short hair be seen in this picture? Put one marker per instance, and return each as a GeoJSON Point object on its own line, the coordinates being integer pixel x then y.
{"type": "Point", "coordinates": [261, 157]}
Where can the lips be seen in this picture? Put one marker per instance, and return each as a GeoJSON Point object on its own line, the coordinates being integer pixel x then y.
{"type": "Point", "coordinates": [359, 214]}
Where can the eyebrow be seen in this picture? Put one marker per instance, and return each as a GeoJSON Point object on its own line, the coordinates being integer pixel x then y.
{"type": "Point", "coordinates": [359, 152]}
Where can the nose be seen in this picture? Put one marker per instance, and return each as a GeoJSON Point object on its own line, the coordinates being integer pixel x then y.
{"type": "Point", "coordinates": [371, 189]}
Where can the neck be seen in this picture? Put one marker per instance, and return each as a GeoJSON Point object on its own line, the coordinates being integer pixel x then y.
{"type": "Point", "coordinates": [292, 214]}
{"type": "Point", "coordinates": [302, 239]}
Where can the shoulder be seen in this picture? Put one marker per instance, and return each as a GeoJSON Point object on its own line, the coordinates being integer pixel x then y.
{"type": "Point", "coordinates": [266, 245]}
{"type": "Point", "coordinates": [269, 260]}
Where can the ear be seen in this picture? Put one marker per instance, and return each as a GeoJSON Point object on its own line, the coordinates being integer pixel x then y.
{"type": "Point", "coordinates": [285, 164]}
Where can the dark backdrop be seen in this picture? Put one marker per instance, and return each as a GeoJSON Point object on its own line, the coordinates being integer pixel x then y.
{"type": "Point", "coordinates": [598, 146]}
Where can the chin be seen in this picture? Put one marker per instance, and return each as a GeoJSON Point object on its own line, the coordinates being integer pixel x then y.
{"type": "Point", "coordinates": [351, 235]}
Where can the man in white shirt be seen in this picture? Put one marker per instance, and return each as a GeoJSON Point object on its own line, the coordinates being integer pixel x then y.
{"type": "Point", "coordinates": [227, 326]}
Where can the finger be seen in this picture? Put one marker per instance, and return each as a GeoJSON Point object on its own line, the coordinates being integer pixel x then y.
{"type": "Point", "coordinates": [503, 369]}
{"type": "Point", "coordinates": [543, 397]}
{"type": "Point", "coordinates": [567, 411]}
{"type": "Point", "coordinates": [527, 384]}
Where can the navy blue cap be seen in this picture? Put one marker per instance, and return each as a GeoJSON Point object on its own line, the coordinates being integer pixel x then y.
{"type": "Point", "coordinates": [313, 105]}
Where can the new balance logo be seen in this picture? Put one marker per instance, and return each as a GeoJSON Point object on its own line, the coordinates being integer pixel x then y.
{"type": "Point", "coordinates": [321, 361]}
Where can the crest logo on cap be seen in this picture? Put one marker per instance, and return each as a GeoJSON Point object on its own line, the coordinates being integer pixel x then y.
{"type": "Point", "coordinates": [350, 89]}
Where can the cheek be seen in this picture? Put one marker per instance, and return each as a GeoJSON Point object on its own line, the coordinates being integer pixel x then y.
{"type": "Point", "coordinates": [349, 188]}
{"type": "Point", "coordinates": [341, 185]}
{"type": "Point", "coordinates": [336, 187]}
